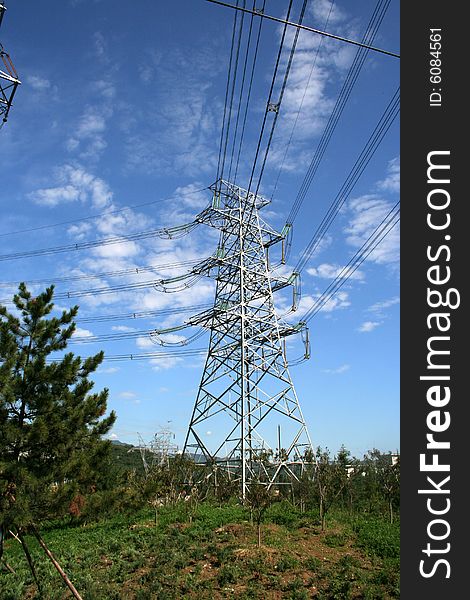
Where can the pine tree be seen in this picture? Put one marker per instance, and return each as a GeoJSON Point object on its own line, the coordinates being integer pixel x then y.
{"type": "Point", "coordinates": [51, 424]}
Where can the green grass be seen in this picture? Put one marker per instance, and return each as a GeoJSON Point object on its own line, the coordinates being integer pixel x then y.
{"type": "Point", "coordinates": [215, 556]}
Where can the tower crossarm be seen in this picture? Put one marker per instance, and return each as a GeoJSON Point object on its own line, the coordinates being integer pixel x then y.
{"type": "Point", "coordinates": [187, 279]}
{"type": "Point", "coordinates": [9, 82]}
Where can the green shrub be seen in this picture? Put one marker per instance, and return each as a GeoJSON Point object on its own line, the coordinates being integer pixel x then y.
{"type": "Point", "coordinates": [378, 538]}
{"type": "Point", "coordinates": [283, 513]}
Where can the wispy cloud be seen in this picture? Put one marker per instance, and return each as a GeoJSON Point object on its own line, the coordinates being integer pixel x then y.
{"type": "Point", "coordinates": [74, 183]}
{"type": "Point", "coordinates": [107, 370]}
{"type": "Point", "coordinates": [365, 214]}
{"type": "Point", "coordinates": [379, 308]}
{"type": "Point", "coordinates": [331, 271]}
{"type": "Point", "coordinates": [38, 84]}
{"type": "Point", "coordinates": [391, 183]}
{"type": "Point", "coordinates": [368, 326]}
{"type": "Point", "coordinates": [338, 371]}
{"type": "Point", "coordinates": [88, 136]}
{"type": "Point", "coordinates": [175, 132]}
{"type": "Point", "coordinates": [127, 395]}
{"type": "Point", "coordinates": [165, 362]}
{"type": "Point", "coordinates": [307, 101]}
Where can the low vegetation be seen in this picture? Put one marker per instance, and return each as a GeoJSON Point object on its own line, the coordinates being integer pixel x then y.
{"type": "Point", "coordinates": [216, 555]}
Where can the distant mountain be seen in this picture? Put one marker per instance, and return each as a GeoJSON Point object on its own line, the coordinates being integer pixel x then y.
{"type": "Point", "coordinates": [126, 457]}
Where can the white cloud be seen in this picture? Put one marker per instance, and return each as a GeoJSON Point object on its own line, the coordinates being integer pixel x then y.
{"type": "Point", "coordinates": [105, 88]}
{"type": "Point", "coordinates": [80, 231]}
{"type": "Point", "coordinates": [391, 183]}
{"type": "Point", "coordinates": [326, 10]}
{"type": "Point", "coordinates": [82, 333]}
{"type": "Point", "coordinates": [172, 338]}
{"type": "Point", "coordinates": [127, 395]}
{"type": "Point", "coordinates": [123, 328]}
{"type": "Point", "coordinates": [107, 370]}
{"type": "Point", "coordinates": [380, 307]}
{"type": "Point", "coordinates": [39, 84]}
{"type": "Point", "coordinates": [74, 183]}
{"type": "Point", "coordinates": [88, 135]}
{"type": "Point", "coordinates": [338, 370]}
{"type": "Point", "coordinates": [145, 343]}
{"type": "Point", "coordinates": [165, 362]}
{"type": "Point", "coordinates": [118, 250]}
{"type": "Point", "coordinates": [368, 326]}
{"type": "Point", "coordinates": [175, 132]}
{"type": "Point", "coordinates": [308, 100]}
{"type": "Point", "coordinates": [100, 45]}
{"type": "Point", "coordinates": [91, 123]}
{"type": "Point", "coordinates": [338, 301]}
{"type": "Point", "coordinates": [331, 271]}
{"type": "Point", "coordinates": [54, 196]}
{"type": "Point", "coordinates": [366, 213]}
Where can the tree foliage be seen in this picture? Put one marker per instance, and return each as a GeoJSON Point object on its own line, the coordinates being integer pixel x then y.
{"type": "Point", "coordinates": [51, 422]}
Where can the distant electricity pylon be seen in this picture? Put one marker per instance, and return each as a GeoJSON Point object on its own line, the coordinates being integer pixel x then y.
{"type": "Point", "coordinates": [8, 78]}
{"type": "Point", "coordinates": [158, 451]}
{"type": "Point", "coordinates": [246, 418]}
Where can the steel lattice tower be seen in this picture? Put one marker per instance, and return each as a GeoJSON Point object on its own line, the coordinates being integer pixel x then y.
{"type": "Point", "coordinates": [9, 81]}
{"type": "Point", "coordinates": [246, 398]}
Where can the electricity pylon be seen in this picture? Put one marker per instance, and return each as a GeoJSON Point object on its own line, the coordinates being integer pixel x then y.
{"type": "Point", "coordinates": [246, 398]}
{"type": "Point", "coordinates": [8, 78]}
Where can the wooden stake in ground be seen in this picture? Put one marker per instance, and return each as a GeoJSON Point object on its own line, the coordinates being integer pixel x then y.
{"type": "Point", "coordinates": [56, 564]}
{"type": "Point", "coordinates": [21, 540]}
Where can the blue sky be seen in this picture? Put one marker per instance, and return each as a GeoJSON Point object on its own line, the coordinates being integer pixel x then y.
{"type": "Point", "coordinates": [121, 106]}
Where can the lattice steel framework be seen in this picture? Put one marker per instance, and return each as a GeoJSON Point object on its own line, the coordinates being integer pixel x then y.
{"type": "Point", "coordinates": [246, 399]}
{"type": "Point", "coordinates": [9, 81]}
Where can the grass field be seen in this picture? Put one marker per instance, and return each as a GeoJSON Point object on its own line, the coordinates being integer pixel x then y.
{"type": "Point", "coordinates": [213, 556]}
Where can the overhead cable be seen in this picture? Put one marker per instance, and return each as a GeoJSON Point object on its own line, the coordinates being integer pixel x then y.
{"type": "Point", "coordinates": [343, 97]}
{"type": "Point", "coordinates": [375, 139]}
{"type": "Point", "coordinates": [311, 29]}
{"type": "Point", "coordinates": [381, 231]}
{"type": "Point", "coordinates": [97, 216]}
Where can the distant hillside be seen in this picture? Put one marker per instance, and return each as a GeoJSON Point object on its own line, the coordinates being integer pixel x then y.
{"type": "Point", "coordinates": [126, 457]}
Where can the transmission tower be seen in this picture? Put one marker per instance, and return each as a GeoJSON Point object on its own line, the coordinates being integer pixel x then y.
{"type": "Point", "coordinates": [246, 418]}
{"type": "Point", "coordinates": [8, 78]}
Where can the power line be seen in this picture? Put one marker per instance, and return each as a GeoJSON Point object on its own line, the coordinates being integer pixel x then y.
{"type": "Point", "coordinates": [102, 275]}
{"type": "Point", "coordinates": [301, 103]}
{"type": "Point", "coordinates": [311, 29]}
{"type": "Point", "coordinates": [255, 56]}
{"type": "Point", "coordinates": [229, 74]}
{"type": "Point", "coordinates": [100, 291]}
{"type": "Point", "coordinates": [242, 86]}
{"type": "Point", "coordinates": [98, 216]}
{"type": "Point", "coordinates": [375, 139]}
{"type": "Point", "coordinates": [281, 95]}
{"type": "Point", "coordinates": [144, 355]}
{"type": "Point", "coordinates": [383, 229]}
{"type": "Point", "coordinates": [143, 314]}
{"type": "Point", "coordinates": [142, 235]}
{"type": "Point", "coordinates": [234, 81]}
{"type": "Point", "coordinates": [268, 104]}
{"type": "Point", "coordinates": [343, 97]}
